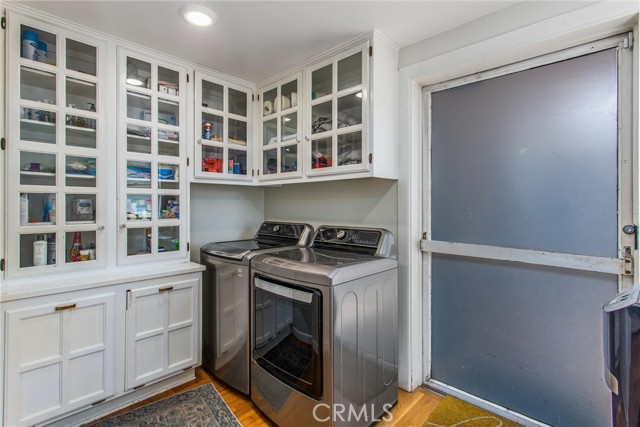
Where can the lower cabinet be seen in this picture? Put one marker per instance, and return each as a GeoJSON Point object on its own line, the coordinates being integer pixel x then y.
{"type": "Point", "coordinates": [59, 357]}
{"type": "Point", "coordinates": [162, 331]}
{"type": "Point", "coordinates": [64, 353]}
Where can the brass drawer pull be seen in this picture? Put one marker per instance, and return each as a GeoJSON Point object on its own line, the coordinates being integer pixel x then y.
{"type": "Point", "coordinates": [167, 289]}
{"type": "Point", "coordinates": [65, 307]}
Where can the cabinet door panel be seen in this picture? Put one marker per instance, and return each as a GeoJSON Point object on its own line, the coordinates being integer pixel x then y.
{"type": "Point", "coordinates": [149, 313]}
{"type": "Point", "coordinates": [149, 358]}
{"type": "Point", "coordinates": [40, 394]}
{"type": "Point", "coordinates": [40, 338]}
{"type": "Point", "coordinates": [87, 328]}
{"type": "Point", "coordinates": [83, 381]}
{"type": "Point", "coordinates": [180, 346]}
{"type": "Point", "coordinates": [181, 306]}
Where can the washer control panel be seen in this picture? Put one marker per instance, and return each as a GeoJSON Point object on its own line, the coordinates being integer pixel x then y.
{"type": "Point", "coordinates": [281, 229]}
{"type": "Point", "coordinates": [348, 236]}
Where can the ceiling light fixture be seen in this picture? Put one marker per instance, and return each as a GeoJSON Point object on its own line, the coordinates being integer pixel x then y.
{"type": "Point", "coordinates": [198, 15]}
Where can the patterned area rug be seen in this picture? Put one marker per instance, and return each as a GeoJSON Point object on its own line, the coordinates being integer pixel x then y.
{"type": "Point", "coordinates": [452, 412]}
{"type": "Point", "coordinates": [200, 407]}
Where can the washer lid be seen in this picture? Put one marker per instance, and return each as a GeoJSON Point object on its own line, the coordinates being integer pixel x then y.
{"type": "Point", "coordinates": [320, 266]}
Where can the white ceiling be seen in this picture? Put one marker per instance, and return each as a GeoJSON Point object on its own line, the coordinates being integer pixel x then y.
{"type": "Point", "coordinates": [255, 40]}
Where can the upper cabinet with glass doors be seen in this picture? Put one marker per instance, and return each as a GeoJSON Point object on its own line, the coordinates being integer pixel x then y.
{"type": "Point", "coordinates": [222, 129]}
{"type": "Point", "coordinates": [350, 112]}
{"type": "Point", "coordinates": [281, 129]}
{"type": "Point", "coordinates": [152, 158]}
{"type": "Point", "coordinates": [56, 144]}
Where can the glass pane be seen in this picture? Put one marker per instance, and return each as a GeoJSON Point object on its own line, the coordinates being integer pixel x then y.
{"type": "Point", "coordinates": [37, 126]}
{"type": "Point", "coordinates": [168, 239]}
{"type": "Point", "coordinates": [289, 94]}
{"type": "Point", "coordinates": [38, 45]}
{"type": "Point", "coordinates": [138, 73]}
{"type": "Point", "coordinates": [212, 158]}
{"type": "Point", "coordinates": [168, 176]}
{"type": "Point", "coordinates": [138, 139]}
{"type": "Point", "coordinates": [80, 132]}
{"type": "Point", "coordinates": [289, 158]}
{"type": "Point", "coordinates": [80, 246]}
{"type": "Point", "coordinates": [269, 162]}
{"type": "Point", "coordinates": [321, 153]}
{"type": "Point", "coordinates": [138, 106]}
{"type": "Point", "coordinates": [350, 71]}
{"type": "Point", "coordinates": [270, 132]}
{"type": "Point", "coordinates": [139, 207]}
{"type": "Point", "coordinates": [168, 207]}
{"type": "Point", "coordinates": [168, 112]}
{"type": "Point", "coordinates": [37, 208]}
{"type": "Point", "coordinates": [81, 209]}
{"type": "Point", "coordinates": [350, 110]}
{"type": "Point", "coordinates": [81, 171]}
{"type": "Point", "coordinates": [237, 162]}
{"type": "Point", "coordinates": [138, 241]}
{"type": "Point", "coordinates": [517, 184]}
{"type": "Point", "coordinates": [513, 311]}
{"type": "Point", "coordinates": [37, 168]}
{"type": "Point", "coordinates": [269, 102]}
{"type": "Point", "coordinates": [237, 132]}
{"type": "Point", "coordinates": [321, 82]}
{"type": "Point", "coordinates": [212, 95]}
{"type": "Point", "coordinates": [289, 127]}
{"type": "Point", "coordinates": [138, 174]}
{"type": "Point", "coordinates": [237, 102]}
{"type": "Point", "coordinates": [168, 143]}
{"type": "Point", "coordinates": [350, 148]}
{"type": "Point", "coordinates": [321, 117]}
{"type": "Point", "coordinates": [36, 85]}
{"type": "Point", "coordinates": [168, 81]}
{"type": "Point", "coordinates": [37, 249]}
{"type": "Point", "coordinates": [212, 127]}
{"type": "Point", "coordinates": [81, 57]}
{"type": "Point", "coordinates": [81, 94]}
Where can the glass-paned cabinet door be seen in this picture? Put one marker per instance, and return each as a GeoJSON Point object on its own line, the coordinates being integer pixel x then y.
{"type": "Point", "coordinates": [152, 158]}
{"type": "Point", "coordinates": [337, 113]}
{"type": "Point", "coordinates": [281, 128]}
{"type": "Point", "coordinates": [222, 129]}
{"type": "Point", "coordinates": [56, 124]}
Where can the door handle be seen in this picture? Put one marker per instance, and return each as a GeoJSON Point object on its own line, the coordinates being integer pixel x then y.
{"type": "Point", "coordinates": [166, 289]}
{"type": "Point", "coordinates": [65, 307]}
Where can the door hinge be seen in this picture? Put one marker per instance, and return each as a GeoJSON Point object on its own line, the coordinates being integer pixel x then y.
{"type": "Point", "coordinates": [253, 172]}
{"type": "Point", "coordinates": [188, 246]}
{"type": "Point", "coordinates": [253, 97]}
{"type": "Point", "coordinates": [370, 50]}
{"type": "Point", "coordinates": [627, 43]}
{"type": "Point", "coordinates": [99, 402]}
{"type": "Point", "coordinates": [187, 161]}
{"type": "Point", "coordinates": [128, 299]}
{"type": "Point", "coordinates": [138, 386]}
{"type": "Point", "coordinates": [370, 158]}
{"type": "Point", "coordinates": [3, 264]}
{"type": "Point", "coordinates": [187, 78]}
{"type": "Point", "coordinates": [3, 23]}
{"type": "Point", "coordinates": [3, 143]}
{"type": "Point", "coordinates": [628, 261]}
{"type": "Point", "coordinates": [258, 172]}
{"type": "Point", "coordinates": [258, 97]}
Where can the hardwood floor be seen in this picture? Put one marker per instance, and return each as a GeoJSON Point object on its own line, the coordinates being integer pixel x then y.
{"type": "Point", "coordinates": [412, 409]}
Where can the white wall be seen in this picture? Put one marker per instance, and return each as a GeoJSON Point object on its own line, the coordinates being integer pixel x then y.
{"type": "Point", "coordinates": [223, 212]}
{"type": "Point", "coordinates": [357, 202]}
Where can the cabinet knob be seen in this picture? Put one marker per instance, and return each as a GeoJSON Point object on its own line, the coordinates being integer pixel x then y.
{"type": "Point", "coordinates": [306, 138]}
{"type": "Point", "coordinates": [101, 227]}
{"type": "Point", "coordinates": [123, 226]}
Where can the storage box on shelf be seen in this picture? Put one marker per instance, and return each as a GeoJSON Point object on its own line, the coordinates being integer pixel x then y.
{"type": "Point", "coordinates": [56, 134]}
{"type": "Point", "coordinates": [222, 129]}
{"type": "Point", "coordinates": [152, 134]}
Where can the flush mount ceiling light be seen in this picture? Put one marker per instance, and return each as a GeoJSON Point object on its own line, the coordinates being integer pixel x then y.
{"type": "Point", "coordinates": [198, 15]}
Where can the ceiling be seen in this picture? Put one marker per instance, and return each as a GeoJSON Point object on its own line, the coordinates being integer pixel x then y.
{"type": "Point", "coordinates": [255, 40]}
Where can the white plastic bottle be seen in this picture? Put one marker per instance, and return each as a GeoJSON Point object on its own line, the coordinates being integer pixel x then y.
{"type": "Point", "coordinates": [24, 208]}
{"type": "Point", "coordinates": [40, 251]}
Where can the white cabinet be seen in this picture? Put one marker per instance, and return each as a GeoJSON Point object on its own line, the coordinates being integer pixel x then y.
{"type": "Point", "coordinates": [152, 158]}
{"type": "Point", "coordinates": [279, 148]}
{"type": "Point", "coordinates": [59, 356]}
{"type": "Point", "coordinates": [163, 330]}
{"type": "Point", "coordinates": [350, 112]}
{"type": "Point", "coordinates": [57, 171]}
{"type": "Point", "coordinates": [223, 129]}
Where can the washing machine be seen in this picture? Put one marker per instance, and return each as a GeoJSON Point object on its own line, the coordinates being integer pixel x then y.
{"type": "Point", "coordinates": [225, 298]}
{"type": "Point", "coordinates": [325, 318]}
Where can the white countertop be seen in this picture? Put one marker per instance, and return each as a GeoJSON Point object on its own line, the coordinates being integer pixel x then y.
{"type": "Point", "coordinates": [16, 289]}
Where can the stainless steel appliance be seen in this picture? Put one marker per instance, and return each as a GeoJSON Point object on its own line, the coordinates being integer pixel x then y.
{"type": "Point", "coordinates": [621, 329]}
{"type": "Point", "coordinates": [324, 337]}
{"type": "Point", "coordinates": [225, 293]}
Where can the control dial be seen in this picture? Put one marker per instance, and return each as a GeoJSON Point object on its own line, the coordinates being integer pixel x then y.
{"type": "Point", "coordinates": [341, 234]}
{"type": "Point", "coordinates": [276, 228]}
{"type": "Point", "coordinates": [328, 234]}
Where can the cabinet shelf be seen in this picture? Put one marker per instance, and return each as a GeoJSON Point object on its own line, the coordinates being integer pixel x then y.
{"type": "Point", "coordinates": [142, 138]}
{"type": "Point", "coordinates": [81, 176]}
{"type": "Point", "coordinates": [168, 141]}
{"type": "Point", "coordinates": [80, 129]}
{"type": "Point", "coordinates": [33, 173]}
{"type": "Point", "coordinates": [36, 122]}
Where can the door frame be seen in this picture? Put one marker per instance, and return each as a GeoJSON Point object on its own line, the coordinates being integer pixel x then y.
{"type": "Point", "coordinates": [627, 200]}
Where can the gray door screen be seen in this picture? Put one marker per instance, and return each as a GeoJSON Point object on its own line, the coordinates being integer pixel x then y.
{"type": "Point", "coordinates": [526, 161]}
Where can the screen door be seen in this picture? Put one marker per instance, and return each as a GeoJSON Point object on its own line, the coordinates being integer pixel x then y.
{"type": "Point", "coordinates": [528, 182]}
